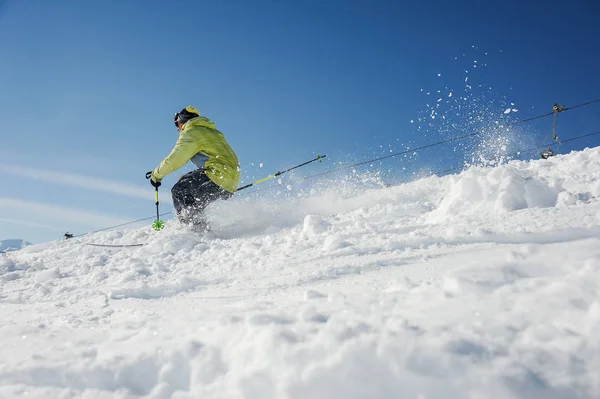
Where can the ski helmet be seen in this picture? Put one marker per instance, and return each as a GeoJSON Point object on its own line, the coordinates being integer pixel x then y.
{"type": "Point", "coordinates": [186, 114]}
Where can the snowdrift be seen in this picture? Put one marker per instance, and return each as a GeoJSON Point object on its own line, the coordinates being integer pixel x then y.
{"type": "Point", "coordinates": [484, 284]}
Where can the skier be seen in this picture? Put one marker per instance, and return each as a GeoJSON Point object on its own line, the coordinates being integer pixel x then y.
{"type": "Point", "coordinates": [218, 172]}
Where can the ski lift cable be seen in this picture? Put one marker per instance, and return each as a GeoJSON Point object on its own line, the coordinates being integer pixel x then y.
{"type": "Point", "coordinates": [463, 137]}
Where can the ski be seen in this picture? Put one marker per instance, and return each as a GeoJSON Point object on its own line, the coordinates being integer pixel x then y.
{"type": "Point", "coordinates": [115, 245]}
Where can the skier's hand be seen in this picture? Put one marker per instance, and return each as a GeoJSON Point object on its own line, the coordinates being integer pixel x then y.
{"type": "Point", "coordinates": [155, 183]}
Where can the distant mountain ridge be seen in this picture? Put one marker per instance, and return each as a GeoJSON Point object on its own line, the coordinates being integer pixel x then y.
{"type": "Point", "coordinates": [12, 244]}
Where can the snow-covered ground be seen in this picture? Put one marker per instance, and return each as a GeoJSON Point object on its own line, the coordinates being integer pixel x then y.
{"type": "Point", "coordinates": [479, 285]}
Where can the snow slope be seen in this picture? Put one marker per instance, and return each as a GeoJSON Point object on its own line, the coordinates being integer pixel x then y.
{"type": "Point", "coordinates": [12, 244]}
{"type": "Point", "coordinates": [479, 285]}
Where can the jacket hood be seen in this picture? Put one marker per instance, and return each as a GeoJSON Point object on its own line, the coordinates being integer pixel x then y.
{"type": "Point", "coordinates": [199, 121]}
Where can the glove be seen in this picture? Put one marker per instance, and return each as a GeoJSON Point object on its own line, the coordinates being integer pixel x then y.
{"type": "Point", "coordinates": [152, 181]}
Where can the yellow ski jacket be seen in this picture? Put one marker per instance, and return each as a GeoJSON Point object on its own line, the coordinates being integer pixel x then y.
{"type": "Point", "coordinates": [200, 142]}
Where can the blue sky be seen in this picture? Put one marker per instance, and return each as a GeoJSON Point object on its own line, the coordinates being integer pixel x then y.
{"type": "Point", "coordinates": [89, 90]}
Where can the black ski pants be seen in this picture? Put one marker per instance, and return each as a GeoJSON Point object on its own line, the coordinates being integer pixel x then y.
{"type": "Point", "coordinates": [192, 193]}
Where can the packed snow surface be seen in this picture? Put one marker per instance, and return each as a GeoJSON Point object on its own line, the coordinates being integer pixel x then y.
{"type": "Point", "coordinates": [484, 284]}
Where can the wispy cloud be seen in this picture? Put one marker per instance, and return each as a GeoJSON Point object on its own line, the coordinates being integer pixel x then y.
{"type": "Point", "coordinates": [81, 181]}
{"type": "Point", "coordinates": [29, 223]}
{"type": "Point", "coordinates": [42, 213]}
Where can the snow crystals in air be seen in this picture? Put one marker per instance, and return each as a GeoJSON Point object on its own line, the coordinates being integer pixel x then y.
{"type": "Point", "coordinates": [480, 284]}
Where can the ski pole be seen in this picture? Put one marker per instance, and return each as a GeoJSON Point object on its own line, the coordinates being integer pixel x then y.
{"type": "Point", "coordinates": [264, 179]}
{"type": "Point", "coordinates": [157, 224]}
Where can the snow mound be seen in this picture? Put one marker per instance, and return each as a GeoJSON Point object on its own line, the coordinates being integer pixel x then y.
{"type": "Point", "coordinates": [482, 284]}
{"type": "Point", "coordinates": [501, 190]}
{"type": "Point", "coordinates": [518, 185]}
